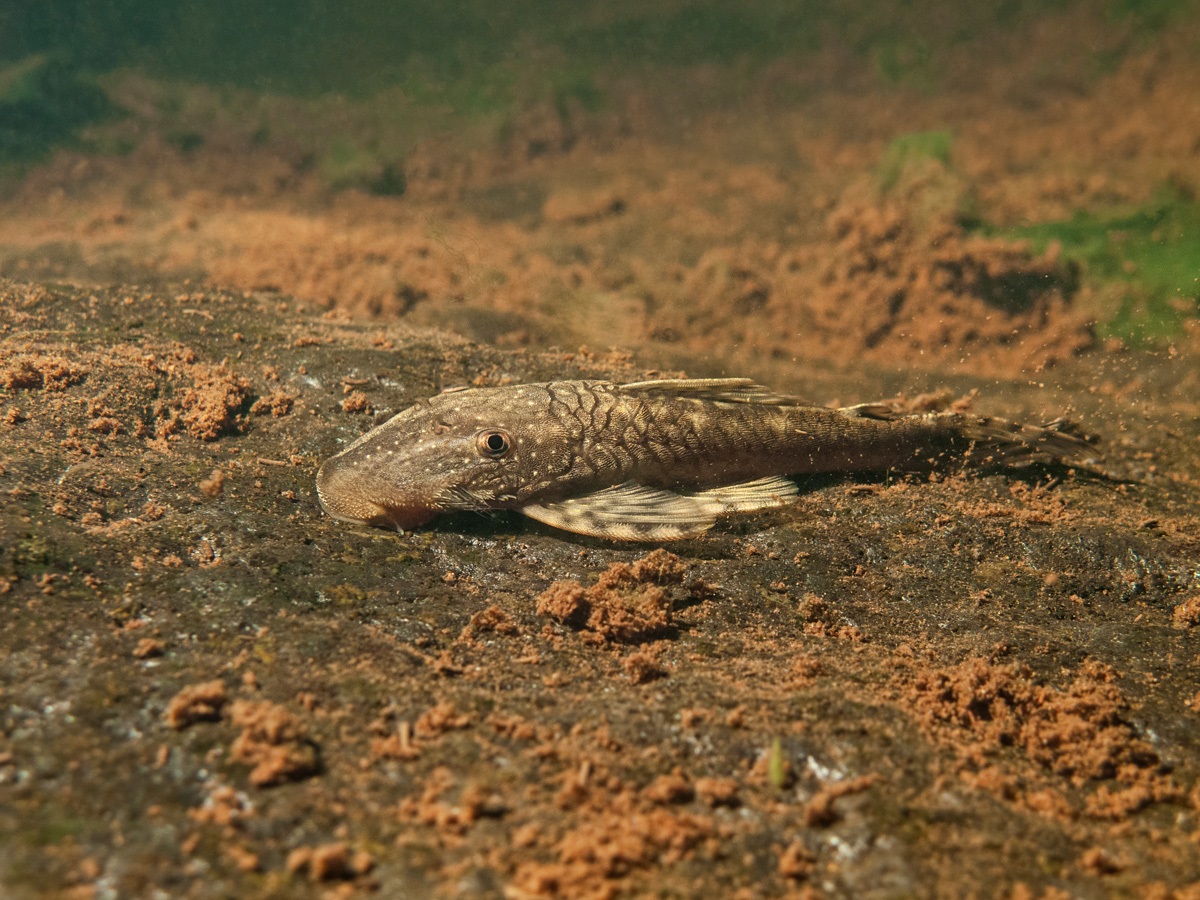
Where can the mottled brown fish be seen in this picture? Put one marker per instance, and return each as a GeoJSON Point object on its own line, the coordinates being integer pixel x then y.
{"type": "Point", "coordinates": [649, 461]}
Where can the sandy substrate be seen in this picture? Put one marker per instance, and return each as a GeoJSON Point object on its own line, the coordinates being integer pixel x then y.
{"type": "Point", "coordinates": [951, 686]}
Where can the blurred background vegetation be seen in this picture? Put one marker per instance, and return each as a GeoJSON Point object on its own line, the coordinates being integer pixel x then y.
{"type": "Point", "coordinates": [476, 60]}
{"type": "Point", "coordinates": [478, 55]}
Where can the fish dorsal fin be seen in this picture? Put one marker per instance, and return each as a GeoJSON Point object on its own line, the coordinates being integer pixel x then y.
{"type": "Point", "coordinates": [720, 390]}
{"type": "Point", "coordinates": [880, 411]}
{"type": "Point", "coordinates": [634, 512]}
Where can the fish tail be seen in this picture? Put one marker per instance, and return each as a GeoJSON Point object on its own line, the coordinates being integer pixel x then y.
{"type": "Point", "coordinates": [942, 438]}
{"type": "Point", "coordinates": [998, 442]}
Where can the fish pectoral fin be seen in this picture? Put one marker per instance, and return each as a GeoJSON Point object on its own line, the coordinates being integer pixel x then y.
{"type": "Point", "coordinates": [630, 512]}
{"type": "Point", "coordinates": [762, 493]}
{"type": "Point", "coordinates": [634, 512]}
{"type": "Point", "coordinates": [718, 390]}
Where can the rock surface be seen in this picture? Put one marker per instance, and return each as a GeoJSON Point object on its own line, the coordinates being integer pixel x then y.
{"type": "Point", "coordinates": [207, 688]}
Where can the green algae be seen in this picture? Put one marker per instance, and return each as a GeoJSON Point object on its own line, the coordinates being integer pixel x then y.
{"type": "Point", "coordinates": [1143, 262]}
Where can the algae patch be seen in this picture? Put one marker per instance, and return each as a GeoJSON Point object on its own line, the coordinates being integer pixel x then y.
{"type": "Point", "coordinates": [1144, 265]}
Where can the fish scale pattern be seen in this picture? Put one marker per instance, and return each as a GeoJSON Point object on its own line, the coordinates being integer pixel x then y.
{"type": "Point", "coordinates": [615, 437]}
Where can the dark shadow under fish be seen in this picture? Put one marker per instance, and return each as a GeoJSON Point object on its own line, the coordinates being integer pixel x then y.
{"type": "Point", "coordinates": [648, 461]}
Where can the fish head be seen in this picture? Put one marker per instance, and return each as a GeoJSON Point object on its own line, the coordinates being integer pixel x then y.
{"type": "Point", "coordinates": [465, 449]}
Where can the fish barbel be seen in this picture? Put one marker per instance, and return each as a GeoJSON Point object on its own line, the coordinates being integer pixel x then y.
{"type": "Point", "coordinates": [647, 461]}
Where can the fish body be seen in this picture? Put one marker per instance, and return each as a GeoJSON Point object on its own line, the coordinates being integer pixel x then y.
{"type": "Point", "coordinates": [650, 460]}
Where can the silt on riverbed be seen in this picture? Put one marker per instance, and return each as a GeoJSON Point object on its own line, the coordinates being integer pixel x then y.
{"type": "Point", "coordinates": [893, 687]}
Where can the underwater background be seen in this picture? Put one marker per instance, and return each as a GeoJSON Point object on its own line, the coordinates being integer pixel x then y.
{"type": "Point", "coordinates": [234, 237]}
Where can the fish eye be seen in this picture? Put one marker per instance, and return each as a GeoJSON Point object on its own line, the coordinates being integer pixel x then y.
{"type": "Point", "coordinates": [493, 443]}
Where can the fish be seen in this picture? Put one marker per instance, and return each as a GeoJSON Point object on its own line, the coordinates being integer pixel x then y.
{"type": "Point", "coordinates": [649, 460]}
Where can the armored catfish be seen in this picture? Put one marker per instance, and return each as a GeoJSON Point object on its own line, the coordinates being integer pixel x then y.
{"type": "Point", "coordinates": [646, 461]}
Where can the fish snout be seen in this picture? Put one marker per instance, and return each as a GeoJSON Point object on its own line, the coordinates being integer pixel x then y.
{"type": "Point", "coordinates": [348, 496]}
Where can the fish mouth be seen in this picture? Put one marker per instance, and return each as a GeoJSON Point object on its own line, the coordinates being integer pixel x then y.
{"type": "Point", "coordinates": [346, 501]}
{"type": "Point", "coordinates": [402, 518]}
{"type": "Point", "coordinates": [377, 515]}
